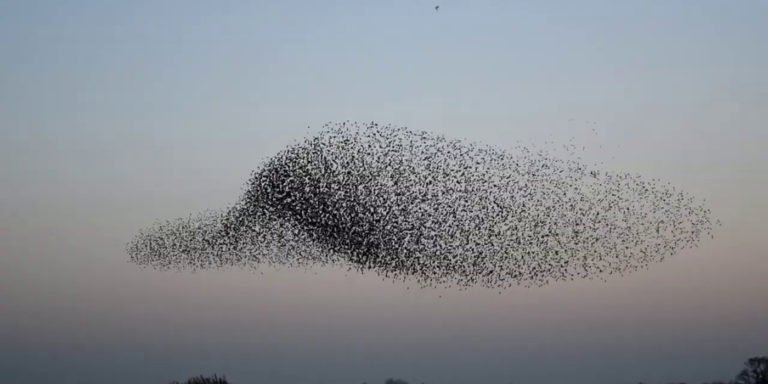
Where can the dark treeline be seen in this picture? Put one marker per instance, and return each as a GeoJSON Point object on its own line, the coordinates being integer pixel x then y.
{"type": "Point", "coordinates": [755, 371]}
{"type": "Point", "coordinates": [204, 380]}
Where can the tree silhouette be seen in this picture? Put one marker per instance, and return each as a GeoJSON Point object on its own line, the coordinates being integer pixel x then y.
{"type": "Point", "coordinates": [755, 371]}
{"type": "Point", "coordinates": [204, 380]}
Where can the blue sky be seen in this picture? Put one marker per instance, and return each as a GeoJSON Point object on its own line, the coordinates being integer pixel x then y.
{"type": "Point", "coordinates": [115, 114]}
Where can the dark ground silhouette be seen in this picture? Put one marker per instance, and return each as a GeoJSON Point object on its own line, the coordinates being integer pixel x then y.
{"type": "Point", "coordinates": [755, 371]}
{"type": "Point", "coordinates": [204, 380]}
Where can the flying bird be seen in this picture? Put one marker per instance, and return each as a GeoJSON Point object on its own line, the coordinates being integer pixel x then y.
{"type": "Point", "coordinates": [437, 8]}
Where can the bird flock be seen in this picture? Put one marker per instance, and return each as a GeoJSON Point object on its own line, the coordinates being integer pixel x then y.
{"type": "Point", "coordinates": [413, 205]}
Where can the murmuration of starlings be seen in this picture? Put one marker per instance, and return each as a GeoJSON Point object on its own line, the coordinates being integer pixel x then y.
{"type": "Point", "coordinates": [413, 205]}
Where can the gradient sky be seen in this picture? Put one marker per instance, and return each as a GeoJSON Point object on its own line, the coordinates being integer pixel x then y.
{"type": "Point", "coordinates": [116, 113]}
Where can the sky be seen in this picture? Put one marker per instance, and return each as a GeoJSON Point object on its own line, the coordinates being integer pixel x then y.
{"type": "Point", "coordinates": [114, 114]}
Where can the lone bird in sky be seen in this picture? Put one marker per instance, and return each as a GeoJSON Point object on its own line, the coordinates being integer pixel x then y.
{"type": "Point", "coordinates": [437, 8]}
